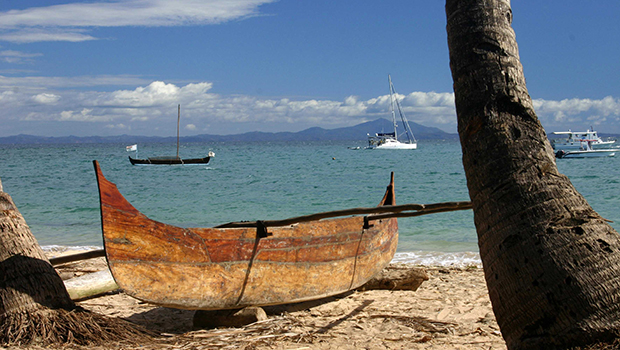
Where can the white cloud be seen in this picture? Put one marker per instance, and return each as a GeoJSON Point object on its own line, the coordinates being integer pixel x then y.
{"type": "Point", "coordinates": [46, 98]}
{"type": "Point", "coordinates": [67, 22]}
{"type": "Point", "coordinates": [157, 93]}
{"type": "Point", "coordinates": [10, 56]}
{"type": "Point", "coordinates": [151, 108]}
{"type": "Point", "coordinates": [156, 102]}
{"type": "Point", "coordinates": [84, 115]}
{"type": "Point", "coordinates": [7, 96]}
{"type": "Point", "coordinates": [118, 126]}
{"type": "Point", "coordinates": [580, 113]}
{"type": "Point", "coordinates": [37, 35]}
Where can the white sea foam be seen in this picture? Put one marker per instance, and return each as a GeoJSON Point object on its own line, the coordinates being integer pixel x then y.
{"type": "Point", "coordinates": [453, 259]}
{"type": "Point", "coordinates": [56, 250]}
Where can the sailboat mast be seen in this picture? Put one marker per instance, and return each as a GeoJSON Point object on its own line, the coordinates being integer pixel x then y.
{"type": "Point", "coordinates": [392, 106]}
{"type": "Point", "coordinates": [178, 124]}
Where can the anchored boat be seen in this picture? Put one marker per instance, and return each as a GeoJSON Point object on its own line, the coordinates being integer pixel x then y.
{"type": "Point", "coordinates": [576, 140]}
{"type": "Point", "coordinates": [586, 151]}
{"type": "Point", "coordinates": [169, 160]}
{"type": "Point", "coordinates": [391, 140]}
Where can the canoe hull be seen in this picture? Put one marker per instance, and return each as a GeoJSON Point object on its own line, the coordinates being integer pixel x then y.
{"type": "Point", "coordinates": [169, 161]}
{"type": "Point", "coordinates": [225, 268]}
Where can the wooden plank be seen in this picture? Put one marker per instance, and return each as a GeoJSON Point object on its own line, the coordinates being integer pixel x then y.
{"type": "Point", "coordinates": [77, 257]}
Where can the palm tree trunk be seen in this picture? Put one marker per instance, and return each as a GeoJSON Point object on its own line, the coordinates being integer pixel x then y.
{"type": "Point", "coordinates": [27, 279]}
{"type": "Point", "coordinates": [35, 306]}
{"type": "Point", "coordinates": [551, 263]}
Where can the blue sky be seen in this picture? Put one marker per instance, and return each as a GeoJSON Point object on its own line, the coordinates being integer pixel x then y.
{"type": "Point", "coordinates": [121, 67]}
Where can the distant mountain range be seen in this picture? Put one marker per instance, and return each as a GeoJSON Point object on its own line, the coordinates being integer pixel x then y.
{"type": "Point", "coordinates": [352, 133]}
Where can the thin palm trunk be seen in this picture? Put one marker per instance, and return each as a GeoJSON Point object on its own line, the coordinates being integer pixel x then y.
{"type": "Point", "coordinates": [551, 263]}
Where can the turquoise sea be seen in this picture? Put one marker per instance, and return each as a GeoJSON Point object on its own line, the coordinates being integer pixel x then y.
{"type": "Point", "coordinates": [55, 189]}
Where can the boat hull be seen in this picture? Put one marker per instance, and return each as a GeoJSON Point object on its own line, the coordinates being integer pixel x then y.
{"type": "Point", "coordinates": [580, 145]}
{"type": "Point", "coordinates": [379, 142]}
{"type": "Point", "coordinates": [169, 161]}
{"type": "Point", "coordinates": [227, 268]}
{"type": "Point", "coordinates": [397, 145]}
{"type": "Point", "coordinates": [596, 153]}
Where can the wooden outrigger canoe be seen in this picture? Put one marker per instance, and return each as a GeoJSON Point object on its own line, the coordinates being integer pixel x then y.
{"type": "Point", "coordinates": [172, 160]}
{"type": "Point", "coordinates": [233, 267]}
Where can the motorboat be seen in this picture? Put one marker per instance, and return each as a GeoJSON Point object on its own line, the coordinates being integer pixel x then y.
{"type": "Point", "coordinates": [577, 140]}
{"type": "Point", "coordinates": [586, 151]}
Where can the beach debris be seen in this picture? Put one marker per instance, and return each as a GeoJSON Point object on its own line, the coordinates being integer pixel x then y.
{"type": "Point", "coordinates": [91, 285]}
{"type": "Point", "coordinates": [420, 324]}
{"type": "Point", "coordinates": [397, 277]}
{"type": "Point", "coordinates": [228, 318]}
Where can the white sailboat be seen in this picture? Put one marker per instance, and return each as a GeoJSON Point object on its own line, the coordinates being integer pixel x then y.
{"type": "Point", "coordinates": [390, 140]}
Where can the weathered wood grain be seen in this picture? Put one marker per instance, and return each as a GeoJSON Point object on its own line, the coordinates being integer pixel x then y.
{"type": "Point", "coordinates": [225, 268]}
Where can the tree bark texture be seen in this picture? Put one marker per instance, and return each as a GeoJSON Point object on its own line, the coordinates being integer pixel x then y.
{"type": "Point", "coordinates": [35, 307]}
{"type": "Point", "coordinates": [551, 263]}
{"type": "Point", "coordinates": [27, 279]}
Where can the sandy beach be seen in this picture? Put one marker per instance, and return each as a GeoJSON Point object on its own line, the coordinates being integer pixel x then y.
{"type": "Point", "coordinates": [449, 311]}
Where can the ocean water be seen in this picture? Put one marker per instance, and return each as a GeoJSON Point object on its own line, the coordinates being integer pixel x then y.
{"type": "Point", "coordinates": [54, 187]}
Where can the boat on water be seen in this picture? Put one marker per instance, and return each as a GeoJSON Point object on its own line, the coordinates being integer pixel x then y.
{"type": "Point", "coordinates": [169, 160]}
{"type": "Point", "coordinates": [247, 263]}
{"type": "Point", "coordinates": [391, 140]}
{"type": "Point", "coordinates": [576, 140]}
{"type": "Point", "coordinates": [586, 151]}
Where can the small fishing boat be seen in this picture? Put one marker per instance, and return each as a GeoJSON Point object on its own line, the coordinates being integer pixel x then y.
{"type": "Point", "coordinates": [242, 264]}
{"type": "Point", "coordinates": [576, 140]}
{"type": "Point", "coordinates": [390, 140]}
{"type": "Point", "coordinates": [169, 160]}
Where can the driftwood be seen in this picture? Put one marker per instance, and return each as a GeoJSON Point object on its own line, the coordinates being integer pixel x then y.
{"type": "Point", "coordinates": [205, 319]}
{"type": "Point", "coordinates": [397, 277]}
{"type": "Point", "coordinates": [90, 285]}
